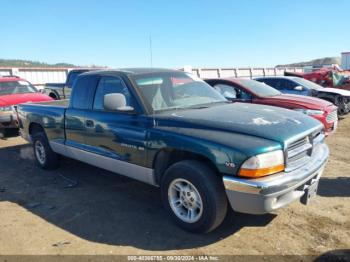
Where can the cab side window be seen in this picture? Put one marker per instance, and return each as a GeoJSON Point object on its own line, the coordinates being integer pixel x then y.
{"type": "Point", "coordinates": [244, 95]}
{"type": "Point", "coordinates": [288, 84]}
{"type": "Point", "coordinates": [232, 92]}
{"type": "Point", "coordinates": [281, 84]}
{"type": "Point", "coordinates": [83, 92]}
{"type": "Point", "coordinates": [226, 90]}
{"type": "Point", "coordinates": [109, 85]}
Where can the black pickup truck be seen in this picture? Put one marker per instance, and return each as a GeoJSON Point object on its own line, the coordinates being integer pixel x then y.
{"type": "Point", "coordinates": [60, 91]}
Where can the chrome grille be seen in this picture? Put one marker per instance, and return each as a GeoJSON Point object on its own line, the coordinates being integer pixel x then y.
{"type": "Point", "coordinates": [300, 151]}
{"type": "Point", "coordinates": [332, 116]}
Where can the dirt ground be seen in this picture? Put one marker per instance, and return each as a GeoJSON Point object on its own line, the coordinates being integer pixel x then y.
{"type": "Point", "coordinates": [79, 209]}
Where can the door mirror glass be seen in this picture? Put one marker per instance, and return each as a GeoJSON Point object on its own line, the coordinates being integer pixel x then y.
{"type": "Point", "coordinates": [229, 95]}
{"type": "Point", "coordinates": [116, 102]}
{"type": "Point", "coordinates": [298, 88]}
{"type": "Point", "coordinates": [227, 91]}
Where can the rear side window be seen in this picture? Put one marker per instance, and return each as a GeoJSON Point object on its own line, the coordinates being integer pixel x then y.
{"type": "Point", "coordinates": [73, 77]}
{"type": "Point", "coordinates": [110, 85]}
{"type": "Point", "coordinates": [277, 83]}
{"type": "Point", "coordinates": [270, 82]}
{"type": "Point", "coordinates": [83, 92]}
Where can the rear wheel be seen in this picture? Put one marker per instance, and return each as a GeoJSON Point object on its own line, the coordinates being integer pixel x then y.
{"type": "Point", "coordinates": [45, 157]}
{"type": "Point", "coordinates": [53, 96]}
{"type": "Point", "coordinates": [194, 196]}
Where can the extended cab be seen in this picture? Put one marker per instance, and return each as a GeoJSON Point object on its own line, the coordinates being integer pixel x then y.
{"type": "Point", "coordinates": [170, 129]}
{"type": "Point", "coordinates": [60, 91]}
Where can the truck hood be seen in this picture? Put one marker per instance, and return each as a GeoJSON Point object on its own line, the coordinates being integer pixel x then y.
{"type": "Point", "coordinates": [272, 123]}
{"type": "Point", "coordinates": [15, 99]}
{"type": "Point", "coordinates": [335, 91]}
{"type": "Point", "coordinates": [301, 101]}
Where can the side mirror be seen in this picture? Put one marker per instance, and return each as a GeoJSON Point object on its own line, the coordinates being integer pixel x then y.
{"type": "Point", "coordinates": [298, 88]}
{"type": "Point", "coordinates": [229, 95]}
{"type": "Point", "coordinates": [116, 102]}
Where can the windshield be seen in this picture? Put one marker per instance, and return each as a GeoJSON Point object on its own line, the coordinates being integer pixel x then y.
{"type": "Point", "coordinates": [174, 90]}
{"type": "Point", "coordinates": [16, 87]}
{"type": "Point", "coordinates": [307, 83]}
{"type": "Point", "coordinates": [259, 88]}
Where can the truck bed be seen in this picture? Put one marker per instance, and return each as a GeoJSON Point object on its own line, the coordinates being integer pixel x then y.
{"type": "Point", "coordinates": [55, 85]}
{"type": "Point", "coordinates": [49, 115]}
{"type": "Point", "coordinates": [54, 103]}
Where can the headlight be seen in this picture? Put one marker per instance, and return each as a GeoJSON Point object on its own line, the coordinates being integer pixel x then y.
{"type": "Point", "coordinates": [5, 108]}
{"type": "Point", "coordinates": [263, 164]}
{"type": "Point", "coordinates": [310, 112]}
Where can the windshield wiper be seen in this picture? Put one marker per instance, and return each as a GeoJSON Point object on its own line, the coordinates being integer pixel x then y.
{"type": "Point", "coordinates": [209, 104]}
{"type": "Point", "coordinates": [197, 107]}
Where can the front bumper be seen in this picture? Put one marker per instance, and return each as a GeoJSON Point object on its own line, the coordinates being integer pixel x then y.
{"type": "Point", "coordinates": [8, 120]}
{"type": "Point", "coordinates": [267, 194]}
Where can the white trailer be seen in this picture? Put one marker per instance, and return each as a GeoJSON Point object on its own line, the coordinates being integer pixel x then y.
{"type": "Point", "coordinates": [345, 60]}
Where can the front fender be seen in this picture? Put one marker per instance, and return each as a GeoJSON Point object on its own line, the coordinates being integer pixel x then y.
{"type": "Point", "coordinates": [227, 151]}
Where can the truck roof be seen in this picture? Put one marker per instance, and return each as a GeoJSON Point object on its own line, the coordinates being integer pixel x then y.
{"type": "Point", "coordinates": [132, 71]}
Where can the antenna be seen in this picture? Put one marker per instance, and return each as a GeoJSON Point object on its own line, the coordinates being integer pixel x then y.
{"type": "Point", "coordinates": [151, 50]}
{"type": "Point", "coordinates": [151, 56]}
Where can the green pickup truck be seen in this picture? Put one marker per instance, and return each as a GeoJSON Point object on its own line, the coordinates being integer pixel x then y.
{"type": "Point", "coordinates": [170, 129]}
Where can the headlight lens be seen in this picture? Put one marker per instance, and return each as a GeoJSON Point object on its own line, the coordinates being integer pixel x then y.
{"type": "Point", "coordinates": [310, 112]}
{"type": "Point", "coordinates": [5, 108]}
{"type": "Point", "coordinates": [263, 164]}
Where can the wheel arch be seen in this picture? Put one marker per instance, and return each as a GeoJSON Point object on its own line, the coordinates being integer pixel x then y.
{"type": "Point", "coordinates": [35, 127]}
{"type": "Point", "coordinates": [166, 157]}
{"type": "Point", "coordinates": [54, 95]}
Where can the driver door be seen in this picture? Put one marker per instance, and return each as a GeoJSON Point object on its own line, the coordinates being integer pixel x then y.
{"type": "Point", "coordinates": [115, 135]}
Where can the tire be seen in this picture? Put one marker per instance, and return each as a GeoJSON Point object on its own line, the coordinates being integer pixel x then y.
{"type": "Point", "coordinates": [45, 157]}
{"type": "Point", "coordinates": [53, 96]}
{"type": "Point", "coordinates": [198, 196]}
{"type": "Point", "coordinates": [342, 106]}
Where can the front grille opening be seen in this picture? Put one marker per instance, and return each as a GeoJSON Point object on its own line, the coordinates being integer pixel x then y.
{"type": "Point", "coordinates": [300, 151]}
{"type": "Point", "coordinates": [298, 143]}
{"type": "Point", "coordinates": [331, 117]}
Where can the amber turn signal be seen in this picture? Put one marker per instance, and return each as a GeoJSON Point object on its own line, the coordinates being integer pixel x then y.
{"type": "Point", "coordinates": [260, 172]}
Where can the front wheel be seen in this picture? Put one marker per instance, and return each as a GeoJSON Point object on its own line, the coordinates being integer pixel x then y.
{"type": "Point", "coordinates": [342, 105]}
{"type": "Point", "coordinates": [194, 196]}
{"type": "Point", "coordinates": [45, 157]}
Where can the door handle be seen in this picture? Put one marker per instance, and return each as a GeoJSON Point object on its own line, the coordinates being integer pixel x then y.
{"type": "Point", "coordinates": [89, 123]}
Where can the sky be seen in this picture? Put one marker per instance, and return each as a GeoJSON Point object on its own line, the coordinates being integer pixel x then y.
{"type": "Point", "coordinates": [200, 33]}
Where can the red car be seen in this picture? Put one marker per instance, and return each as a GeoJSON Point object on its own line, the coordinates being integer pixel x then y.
{"type": "Point", "coordinates": [251, 91]}
{"type": "Point", "coordinates": [14, 91]}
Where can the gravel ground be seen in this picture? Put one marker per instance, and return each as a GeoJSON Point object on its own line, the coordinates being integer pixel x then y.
{"type": "Point", "coordinates": [79, 209]}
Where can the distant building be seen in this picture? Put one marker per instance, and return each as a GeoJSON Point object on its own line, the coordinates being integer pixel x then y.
{"type": "Point", "coordinates": [345, 60]}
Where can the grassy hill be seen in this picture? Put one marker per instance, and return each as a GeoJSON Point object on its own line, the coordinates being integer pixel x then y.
{"type": "Point", "coordinates": [28, 63]}
{"type": "Point", "coordinates": [315, 62]}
